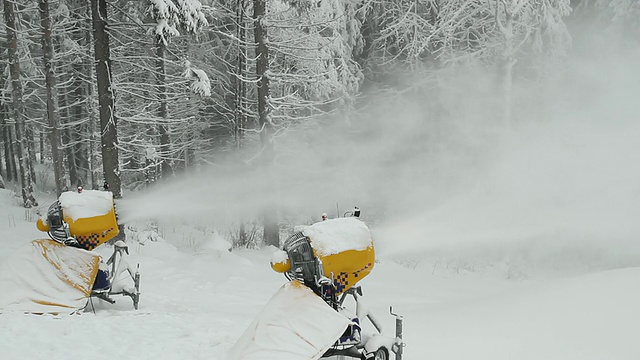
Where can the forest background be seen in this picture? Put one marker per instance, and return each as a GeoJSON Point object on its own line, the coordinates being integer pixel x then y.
{"type": "Point", "coordinates": [137, 93]}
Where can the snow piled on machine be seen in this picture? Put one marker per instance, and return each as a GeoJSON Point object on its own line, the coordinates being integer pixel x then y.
{"type": "Point", "coordinates": [337, 235]}
{"type": "Point", "coordinates": [279, 257]}
{"type": "Point", "coordinates": [86, 204]}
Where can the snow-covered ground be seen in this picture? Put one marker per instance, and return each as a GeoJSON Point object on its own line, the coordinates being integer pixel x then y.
{"type": "Point", "coordinates": [197, 300]}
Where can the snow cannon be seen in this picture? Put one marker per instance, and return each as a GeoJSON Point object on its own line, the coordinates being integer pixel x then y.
{"type": "Point", "coordinates": [84, 219]}
{"type": "Point", "coordinates": [306, 319]}
{"type": "Point", "coordinates": [62, 274]}
{"type": "Point", "coordinates": [337, 251]}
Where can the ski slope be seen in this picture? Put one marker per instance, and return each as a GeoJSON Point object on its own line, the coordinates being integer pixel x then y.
{"type": "Point", "coordinates": [197, 300]}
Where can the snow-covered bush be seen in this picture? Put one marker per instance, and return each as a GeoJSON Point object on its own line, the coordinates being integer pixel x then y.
{"type": "Point", "coordinates": [142, 232]}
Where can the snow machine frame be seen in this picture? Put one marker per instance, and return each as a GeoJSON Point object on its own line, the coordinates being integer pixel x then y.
{"type": "Point", "coordinates": [118, 264]}
{"type": "Point", "coordinates": [58, 229]}
{"type": "Point", "coordinates": [377, 347]}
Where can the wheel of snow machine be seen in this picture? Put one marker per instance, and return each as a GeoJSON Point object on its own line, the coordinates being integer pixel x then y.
{"type": "Point", "coordinates": [380, 354]}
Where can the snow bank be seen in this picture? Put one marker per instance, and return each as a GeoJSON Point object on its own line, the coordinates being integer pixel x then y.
{"type": "Point", "coordinates": [88, 203]}
{"type": "Point", "coordinates": [337, 235]}
{"type": "Point", "coordinates": [216, 242]}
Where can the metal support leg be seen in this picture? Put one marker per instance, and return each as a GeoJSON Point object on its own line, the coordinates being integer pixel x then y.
{"type": "Point", "coordinates": [398, 345]}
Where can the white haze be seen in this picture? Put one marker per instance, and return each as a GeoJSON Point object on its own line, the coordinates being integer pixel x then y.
{"type": "Point", "coordinates": [562, 181]}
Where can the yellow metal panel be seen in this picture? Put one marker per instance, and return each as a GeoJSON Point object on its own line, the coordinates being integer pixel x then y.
{"type": "Point", "coordinates": [42, 226]}
{"type": "Point", "coordinates": [282, 266]}
{"type": "Point", "coordinates": [348, 267]}
{"type": "Point", "coordinates": [93, 231]}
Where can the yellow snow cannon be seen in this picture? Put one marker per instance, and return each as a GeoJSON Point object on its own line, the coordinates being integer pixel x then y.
{"type": "Point", "coordinates": [86, 218]}
{"type": "Point", "coordinates": [62, 274]}
{"type": "Point", "coordinates": [336, 252]}
{"type": "Point", "coordinates": [322, 261]}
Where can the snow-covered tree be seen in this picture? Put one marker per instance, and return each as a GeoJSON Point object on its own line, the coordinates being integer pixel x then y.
{"type": "Point", "coordinates": [625, 16]}
{"type": "Point", "coordinates": [5, 149]}
{"type": "Point", "coordinates": [398, 31]}
{"type": "Point", "coordinates": [22, 145]}
{"type": "Point", "coordinates": [172, 17]}
{"type": "Point", "coordinates": [626, 8]}
{"type": "Point", "coordinates": [313, 46]}
{"type": "Point", "coordinates": [74, 64]}
{"type": "Point", "coordinates": [499, 32]}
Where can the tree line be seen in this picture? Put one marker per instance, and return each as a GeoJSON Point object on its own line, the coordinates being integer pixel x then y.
{"type": "Point", "coordinates": [126, 93]}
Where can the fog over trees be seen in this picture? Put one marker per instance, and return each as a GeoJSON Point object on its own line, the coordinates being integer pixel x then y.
{"type": "Point", "coordinates": [331, 102]}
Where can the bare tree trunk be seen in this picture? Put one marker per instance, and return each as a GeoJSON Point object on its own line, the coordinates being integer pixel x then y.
{"type": "Point", "coordinates": [31, 151]}
{"type": "Point", "coordinates": [3, 164]}
{"type": "Point", "coordinates": [507, 88]}
{"type": "Point", "coordinates": [81, 138]}
{"type": "Point", "coordinates": [240, 116]}
{"type": "Point", "coordinates": [161, 83]}
{"type": "Point", "coordinates": [13, 145]}
{"type": "Point", "coordinates": [9, 158]}
{"type": "Point", "coordinates": [81, 147]}
{"type": "Point", "coordinates": [90, 91]}
{"type": "Point", "coordinates": [41, 136]}
{"type": "Point", "coordinates": [108, 120]}
{"type": "Point", "coordinates": [18, 111]}
{"type": "Point", "coordinates": [66, 141]}
{"type": "Point", "coordinates": [240, 112]}
{"type": "Point", "coordinates": [262, 65]}
{"type": "Point", "coordinates": [507, 62]}
{"type": "Point", "coordinates": [52, 96]}
{"type": "Point", "coordinates": [93, 152]}
{"type": "Point", "coordinates": [79, 113]}
{"type": "Point", "coordinates": [4, 168]}
{"type": "Point", "coordinates": [271, 228]}
{"type": "Point", "coordinates": [68, 153]}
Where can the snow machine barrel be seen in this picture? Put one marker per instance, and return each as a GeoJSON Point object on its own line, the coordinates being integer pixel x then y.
{"type": "Point", "coordinates": [88, 217]}
{"type": "Point", "coordinates": [338, 251]}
